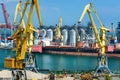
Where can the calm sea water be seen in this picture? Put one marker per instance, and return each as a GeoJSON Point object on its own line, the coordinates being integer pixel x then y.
{"type": "Point", "coordinates": [60, 62]}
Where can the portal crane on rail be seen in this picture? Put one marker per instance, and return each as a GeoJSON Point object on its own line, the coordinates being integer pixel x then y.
{"type": "Point", "coordinates": [26, 34]}
{"type": "Point", "coordinates": [18, 11]}
{"type": "Point", "coordinates": [57, 31]}
{"type": "Point", "coordinates": [102, 58]}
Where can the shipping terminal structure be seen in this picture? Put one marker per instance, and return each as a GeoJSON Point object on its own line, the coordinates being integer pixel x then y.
{"type": "Point", "coordinates": [71, 44]}
{"type": "Point", "coordinates": [75, 40]}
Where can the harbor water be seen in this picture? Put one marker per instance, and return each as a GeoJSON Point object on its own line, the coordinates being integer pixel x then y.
{"type": "Point", "coordinates": [60, 62]}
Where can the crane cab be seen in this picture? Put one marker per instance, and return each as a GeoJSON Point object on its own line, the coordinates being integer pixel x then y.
{"type": "Point", "coordinates": [9, 63]}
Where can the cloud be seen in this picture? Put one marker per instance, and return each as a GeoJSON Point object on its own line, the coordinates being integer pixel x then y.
{"type": "Point", "coordinates": [47, 9]}
{"type": "Point", "coordinates": [56, 9]}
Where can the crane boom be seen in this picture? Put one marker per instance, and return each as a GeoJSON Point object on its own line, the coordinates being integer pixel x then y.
{"type": "Point", "coordinates": [102, 28]}
{"type": "Point", "coordinates": [38, 12]}
{"type": "Point", "coordinates": [87, 10]}
{"type": "Point", "coordinates": [18, 9]}
{"type": "Point", "coordinates": [60, 22]}
{"type": "Point", "coordinates": [16, 12]}
{"type": "Point", "coordinates": [5, 16]}
{"type": "Point", "coordinates": [84, 12]}
{"type": "Point", "coordinates": [57, 29]}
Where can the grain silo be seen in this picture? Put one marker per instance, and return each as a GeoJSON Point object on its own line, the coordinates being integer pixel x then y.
{"type": "Point", "coordinates": [118, 32]}
{"type": "Point", "coordinates": [72, 37]}
{"type": "Point", "coordinates": [65, 36]}
{"type": "Point", "coordinates": [49, 34]}
{"type": "Point", "coordinates": [42, 33]}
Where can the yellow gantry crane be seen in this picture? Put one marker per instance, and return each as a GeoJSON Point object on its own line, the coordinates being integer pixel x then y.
{"type": "Point", "coordinates": [23, 35]}
{"type": "Point", "coordinates": [57, 30]}
{"type": "Point", "coordinates": [18, 11]}
{"type": "Point", "coordinates": [24, 39]}
{"type": "Point", "coordinates": [30, 62]}
{"type": "Point", "coordinates": [102, 58]}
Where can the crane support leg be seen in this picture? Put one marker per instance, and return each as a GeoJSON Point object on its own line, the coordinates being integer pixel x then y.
{"type": "Point", "coordinates": [19, 75]}
{"type": "Point", "coordinates": [31, 63]}
{"type": "Point", "coordinates": [102, 65]}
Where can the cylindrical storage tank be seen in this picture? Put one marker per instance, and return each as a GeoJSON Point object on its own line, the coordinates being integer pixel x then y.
{"type": "Point", "coordinates": [65, 36]}
{"type": "Point", "coordinates": [36, 34]}
{"type": "Point", "coordinates": [82, 35]}
{"type": "Point", "coordinates": [118, 32]}
{"type": "Point", "coordinates": [72, 37]}
{"type": "Point", "coordinates": [42, 33]}
{"type": "Point", "coordinates": [49, 34]}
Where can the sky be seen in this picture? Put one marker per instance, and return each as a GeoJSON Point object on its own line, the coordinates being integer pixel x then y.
{"type": "Point", "coordinates": [69, 10]}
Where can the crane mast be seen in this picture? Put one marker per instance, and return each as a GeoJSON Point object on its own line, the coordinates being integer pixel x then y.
{"type": "Point", "coordinates": [5, 16]}
{"type": "Point", "coordinates": [57, 30]}
{"type": "Point", "coordinates": [18, 10]}
{"type": "Point", "coordinates": [102, 58]}
{"type": "Point", "coordinates": [25, 33]}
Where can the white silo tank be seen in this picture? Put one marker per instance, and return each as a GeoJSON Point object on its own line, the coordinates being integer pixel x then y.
{"type": "Point", "coordinates": [65, 36]}
{"type": "Point", "coordinates": [36, 34]}
{"type": "Point", "coordinates": [49, 34]}
{"type": "Point", "coordinates": [72, 37]}
{"type": "Point", "coordinates": [42, 33]}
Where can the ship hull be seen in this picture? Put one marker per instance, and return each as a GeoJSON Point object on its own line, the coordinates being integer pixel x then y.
{"type": "Point", "coordinates": [78, 51]}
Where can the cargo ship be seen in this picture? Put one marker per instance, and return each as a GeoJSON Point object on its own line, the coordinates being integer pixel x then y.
{"type": "Point", "coordinates": [111, 50]}
{"type": "Point", "coordinates": [80, 49]}
{"type": "Point", "coordinates": [70, 46]}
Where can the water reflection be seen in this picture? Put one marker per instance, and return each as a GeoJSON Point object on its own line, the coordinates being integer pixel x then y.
{"type": "Point", "coordinates": [60, 62]}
